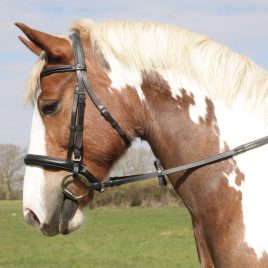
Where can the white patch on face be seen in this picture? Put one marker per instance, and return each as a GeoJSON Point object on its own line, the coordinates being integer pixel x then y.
{"type": "Point", "coordinates": [177, 83]}
{"type": "Point", "coordinates": [121, 77]}
{"type": "Point", "coordinates": [34, 179]}
{"type": "Point", "coordinates": [237, 126]}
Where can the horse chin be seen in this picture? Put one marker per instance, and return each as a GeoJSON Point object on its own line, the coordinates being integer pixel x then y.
{"type": "Point", "coordinates": [71, 218]}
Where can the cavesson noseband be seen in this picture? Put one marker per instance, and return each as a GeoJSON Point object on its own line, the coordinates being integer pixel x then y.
{"type": "Point", "coordinates": [73, 162]}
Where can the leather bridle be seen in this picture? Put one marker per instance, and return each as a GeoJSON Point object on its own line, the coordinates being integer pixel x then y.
{"type": "Point", "coordinates": [73, 162]}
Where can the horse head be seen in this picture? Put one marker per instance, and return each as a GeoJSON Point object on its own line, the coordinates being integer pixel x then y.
{"type": "Point", "coordinates": [44, 204]}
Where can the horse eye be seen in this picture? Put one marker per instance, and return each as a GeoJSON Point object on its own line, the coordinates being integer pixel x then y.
{"type": "Point", "coordinates": [50, 108]}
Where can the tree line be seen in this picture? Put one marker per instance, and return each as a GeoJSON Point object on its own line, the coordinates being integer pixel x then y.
{"type": "Point", "coordinates": [138, 159]}
{"type": "Point", "coordinates": [11, 171]}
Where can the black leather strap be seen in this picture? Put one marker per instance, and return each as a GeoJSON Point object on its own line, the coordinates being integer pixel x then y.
{"type": "Point", "coordinates": [63, 69]}
{"type": "Point", "coordinates": [57, 164]}
{"type": "Point", "coordinates": [80, 107]}
{"type": "Point", "coordinates": [117, 181]}
{"type": "Point", "coordinates": [48, 162]}
{"type": "Point", "coordinates": [73, 124]}
{"type": "Point", "coordinates": [107, 116]}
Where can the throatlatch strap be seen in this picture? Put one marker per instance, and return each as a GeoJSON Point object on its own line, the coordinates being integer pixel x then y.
{"type": "Point", "coordinates": [107, 116]}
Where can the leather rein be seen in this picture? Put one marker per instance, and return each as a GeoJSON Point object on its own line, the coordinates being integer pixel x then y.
{"type": "Point", "coordinates": [73, 162]}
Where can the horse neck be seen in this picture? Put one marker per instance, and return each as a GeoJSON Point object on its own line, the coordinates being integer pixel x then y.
{"type": "Point", "coordinates": [189, 126]}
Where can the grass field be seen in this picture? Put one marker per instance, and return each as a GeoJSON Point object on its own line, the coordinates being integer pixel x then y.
{"type": "Point", "coordinates": [110, 237]}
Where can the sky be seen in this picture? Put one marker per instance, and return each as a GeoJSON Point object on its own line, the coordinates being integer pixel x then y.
{"type": "Point", "coordinates": [238, 24]}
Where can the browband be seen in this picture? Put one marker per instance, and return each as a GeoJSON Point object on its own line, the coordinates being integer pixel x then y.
{"type": "Point", "coordinates": [63, 69]}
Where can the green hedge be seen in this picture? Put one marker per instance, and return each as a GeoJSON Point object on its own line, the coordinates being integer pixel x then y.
{"type": "Point", "coordinates": [145, 194]}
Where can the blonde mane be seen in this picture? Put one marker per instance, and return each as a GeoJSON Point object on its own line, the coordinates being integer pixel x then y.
{"type": "Point", "coordinates": [149, 47]}
{"type": "Point", "coordinates": [33, 83]}
{"type": "Point", "coordinates": [156, 47]}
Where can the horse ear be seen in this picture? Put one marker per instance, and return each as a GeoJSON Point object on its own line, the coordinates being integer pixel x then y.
{"type": "Point", "coordinates": [35, 49]}
{"type": "Point", "coordinates": [55, 47]}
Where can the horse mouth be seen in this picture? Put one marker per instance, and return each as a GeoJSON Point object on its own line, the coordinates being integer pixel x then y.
{"type": "Point", "coordinates": [70, 219]}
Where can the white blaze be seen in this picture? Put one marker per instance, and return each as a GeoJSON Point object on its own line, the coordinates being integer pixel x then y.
{"type": "Point", "coordinates": [34, 179]}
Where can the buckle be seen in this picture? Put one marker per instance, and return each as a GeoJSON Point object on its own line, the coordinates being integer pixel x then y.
{"type": "Point", "coordinates": [77, 158]}
{"type": "Point", "coordinates": [161, 178]}
{"type": "Point", "coordinates": [80, 66]}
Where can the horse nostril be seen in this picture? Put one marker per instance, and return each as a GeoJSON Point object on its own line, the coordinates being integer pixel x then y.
{"type": "Point", "coordinates": [31, 218]}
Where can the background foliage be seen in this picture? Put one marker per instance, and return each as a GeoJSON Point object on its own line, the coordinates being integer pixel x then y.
{"type": "Point", "coordinates": [11, 171]}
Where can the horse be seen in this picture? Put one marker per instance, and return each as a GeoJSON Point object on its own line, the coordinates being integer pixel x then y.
{"type": "Point", "coordinates": [187, 96]}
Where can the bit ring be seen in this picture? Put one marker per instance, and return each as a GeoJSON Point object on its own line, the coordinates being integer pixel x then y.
{"type": "Point", "coordinates": [68, 180]}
